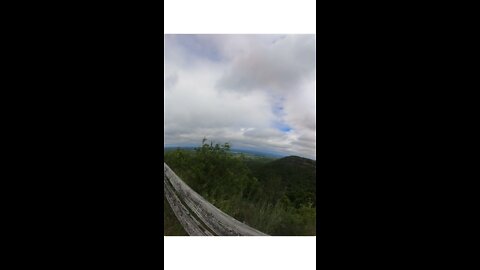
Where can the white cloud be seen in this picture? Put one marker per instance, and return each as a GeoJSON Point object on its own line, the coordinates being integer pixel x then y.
{"type": "Point", "coordinates": [238, 88]}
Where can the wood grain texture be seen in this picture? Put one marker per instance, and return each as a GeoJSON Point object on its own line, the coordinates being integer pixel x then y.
{"type": "Point", "coordinates": [197, 215]}
{"type": "Point", "coordinates": [189, 222]}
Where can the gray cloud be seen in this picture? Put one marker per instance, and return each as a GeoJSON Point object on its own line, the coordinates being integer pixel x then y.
{"type": "Point", "coordinates": [170, 81]}
{"type": "Point", "coordinates": [278, 66]}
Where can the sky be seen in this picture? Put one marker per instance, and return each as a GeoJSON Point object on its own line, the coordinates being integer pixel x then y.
{"type": "Point", "coordinates": [253, 91]}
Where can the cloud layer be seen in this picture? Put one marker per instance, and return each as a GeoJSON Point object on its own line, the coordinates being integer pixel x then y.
{"type": "Point", "coordinates": [254, 91]}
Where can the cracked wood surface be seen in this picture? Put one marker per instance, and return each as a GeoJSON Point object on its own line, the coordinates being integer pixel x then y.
{"type": "Point", "coordinates": [196, 215]}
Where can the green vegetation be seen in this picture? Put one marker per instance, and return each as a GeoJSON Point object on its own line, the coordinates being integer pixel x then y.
{"type": "Point", "coordinates": [275, 196]}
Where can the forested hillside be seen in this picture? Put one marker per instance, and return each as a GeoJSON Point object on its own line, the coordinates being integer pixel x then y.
{"type": "Point", "coordinates": [275, 196]}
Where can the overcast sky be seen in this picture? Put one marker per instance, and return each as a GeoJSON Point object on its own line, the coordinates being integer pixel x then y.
{"type": "Point", "coordinates": [253, 91]}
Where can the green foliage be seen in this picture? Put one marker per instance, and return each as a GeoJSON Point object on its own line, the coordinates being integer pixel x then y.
{"type": "Point", "coordinates": [276, 197]}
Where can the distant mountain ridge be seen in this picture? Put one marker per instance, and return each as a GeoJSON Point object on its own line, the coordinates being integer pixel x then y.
{"type": "Point", "coordinates": [233, 150]}
{"type": "Point", "coordinates": [304, 163]}
{"type": "Point", "coordinates": [296, 173]}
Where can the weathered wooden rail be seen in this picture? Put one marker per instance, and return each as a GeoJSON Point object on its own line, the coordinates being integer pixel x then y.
{"type": "Point", "coordinates": [196, 215]}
